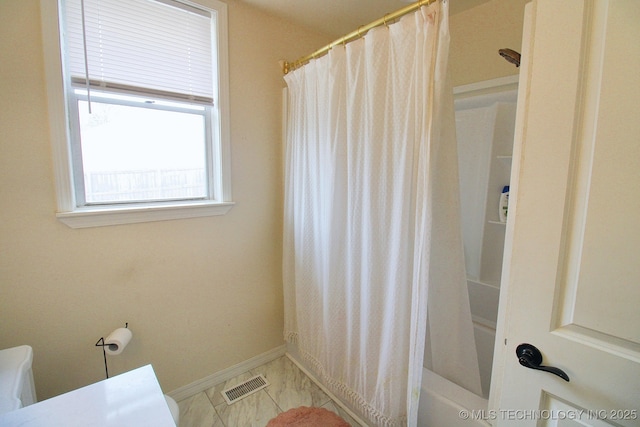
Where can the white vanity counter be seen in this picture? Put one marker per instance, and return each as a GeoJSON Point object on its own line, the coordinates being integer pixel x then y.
{"type": "Point", "coordinates": [132, 399]}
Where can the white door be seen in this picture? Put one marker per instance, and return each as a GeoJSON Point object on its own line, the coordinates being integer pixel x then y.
{"type": "Point", "coordinates": [571, 272]}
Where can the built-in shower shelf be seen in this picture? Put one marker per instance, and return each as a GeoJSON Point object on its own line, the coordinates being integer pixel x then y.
{"type": "Point", "coordinates": [497, 222]}
{"type": "Point", "coordinates": [505, 161]}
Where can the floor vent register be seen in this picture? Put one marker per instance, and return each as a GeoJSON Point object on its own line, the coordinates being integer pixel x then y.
{"type": "Point", "coordinates": [247, 388]}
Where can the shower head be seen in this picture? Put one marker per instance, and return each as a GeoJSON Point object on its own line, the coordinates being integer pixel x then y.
{"type": "Point", "coordinates": [511, 56]}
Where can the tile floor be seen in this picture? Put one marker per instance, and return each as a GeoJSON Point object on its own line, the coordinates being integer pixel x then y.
{"type": "Point", "coordinates": [289, 388]}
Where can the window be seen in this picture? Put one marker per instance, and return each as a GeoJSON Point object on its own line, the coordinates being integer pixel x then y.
{"type": "Point", "coordinates": [138, 108]}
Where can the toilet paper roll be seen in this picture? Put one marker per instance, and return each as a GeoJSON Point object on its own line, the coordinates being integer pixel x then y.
{"type": "Point", "coordinates": [117, 341]}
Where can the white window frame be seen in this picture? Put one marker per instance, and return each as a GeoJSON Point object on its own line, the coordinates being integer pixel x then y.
{"type": "Point", "coordinates": [114, 214]}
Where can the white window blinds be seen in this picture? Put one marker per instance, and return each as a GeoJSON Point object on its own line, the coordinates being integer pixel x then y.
{"type": "Point", "coordinates": [158, 47]}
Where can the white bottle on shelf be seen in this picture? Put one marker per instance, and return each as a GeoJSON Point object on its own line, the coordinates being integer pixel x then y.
{"type": "Point", "coordinates": [504, 204]}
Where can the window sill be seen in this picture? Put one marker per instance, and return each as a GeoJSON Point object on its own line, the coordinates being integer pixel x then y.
{"type": "Point", "coordinates": [105, 216]}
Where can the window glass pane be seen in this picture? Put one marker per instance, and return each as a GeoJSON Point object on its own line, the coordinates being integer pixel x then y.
{"type": "Point", "coordinates": [132, 154]}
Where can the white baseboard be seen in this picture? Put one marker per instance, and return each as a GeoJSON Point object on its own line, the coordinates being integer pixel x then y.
{"type": "Point", "coordinates": [226, 374]}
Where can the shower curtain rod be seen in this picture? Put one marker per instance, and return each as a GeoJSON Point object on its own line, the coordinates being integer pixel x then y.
{"type": "Point", "coordinates": [354, 35]}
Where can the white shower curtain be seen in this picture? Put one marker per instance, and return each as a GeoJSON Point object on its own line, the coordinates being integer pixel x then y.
{"type": "Point", "coordinates": [371, 227]}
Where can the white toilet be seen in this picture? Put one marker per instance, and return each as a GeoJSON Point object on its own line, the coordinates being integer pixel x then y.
{"type": "Point", "coordinates": [16, 378]}
{"type": "Point", "coordinates": [173, 407]}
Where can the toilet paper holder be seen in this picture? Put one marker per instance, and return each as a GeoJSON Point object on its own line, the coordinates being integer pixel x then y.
{"type": "Point", "coordinates": [101, 343]}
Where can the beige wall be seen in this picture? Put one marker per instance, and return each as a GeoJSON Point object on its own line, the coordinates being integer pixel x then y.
{"type": "Point", "coordinates": [476, 36]}
{"type": "Point", "coordinates": [200, 295]}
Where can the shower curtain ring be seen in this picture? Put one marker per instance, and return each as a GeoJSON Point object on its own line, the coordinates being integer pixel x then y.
{"type": "Point", "coordinates": [384, 20]}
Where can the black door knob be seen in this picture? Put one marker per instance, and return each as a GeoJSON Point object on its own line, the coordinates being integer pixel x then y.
{"type": "Point", "coordinates": [530, 357]}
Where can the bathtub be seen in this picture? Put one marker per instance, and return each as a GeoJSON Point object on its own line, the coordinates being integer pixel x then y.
{"type": "Point", "coordinates": [445, 404]}
{"type": "Point", "coordinates": [442, 402]}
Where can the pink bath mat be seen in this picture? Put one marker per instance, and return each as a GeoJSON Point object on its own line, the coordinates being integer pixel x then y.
{"type": "Point", "coordinates": [308, 417]}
